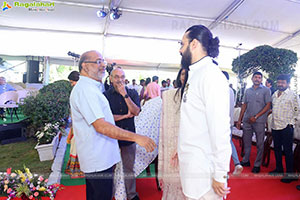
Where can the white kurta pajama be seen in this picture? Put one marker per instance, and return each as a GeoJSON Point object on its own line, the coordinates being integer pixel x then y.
{"type": "Point", "coordinates": [204, 136]}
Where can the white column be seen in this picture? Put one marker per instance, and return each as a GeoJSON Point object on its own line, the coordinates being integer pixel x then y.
{"type": "Point", "coordinates": [46, 71]}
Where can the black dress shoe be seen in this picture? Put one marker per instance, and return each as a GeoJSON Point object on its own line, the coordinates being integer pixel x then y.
{"type": "Point", "coordinates": [288, 179]}
{"type": "Point", "coordinates": [298, 187]}
{"type": "Point", "coordinates": [276, 172]}
{"type": "Point", "coordinates": [256, 170]}
{"type": "Point", "coordinates": [245, 164]}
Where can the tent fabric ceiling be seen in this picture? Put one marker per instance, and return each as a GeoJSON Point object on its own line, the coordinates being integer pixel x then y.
{"type": "Point", "coordinates": [152, 27]}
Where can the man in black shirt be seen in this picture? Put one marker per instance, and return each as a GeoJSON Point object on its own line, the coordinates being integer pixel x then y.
{"type": "Point", "coordinates": [124, 104]}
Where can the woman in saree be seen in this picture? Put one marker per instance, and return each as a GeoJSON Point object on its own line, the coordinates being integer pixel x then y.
{"type": "Point", "coordinates": [167, 169]}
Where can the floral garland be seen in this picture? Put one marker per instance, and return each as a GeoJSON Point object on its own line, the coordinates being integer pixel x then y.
{"type": "Point", "coordinates": [24, 184]}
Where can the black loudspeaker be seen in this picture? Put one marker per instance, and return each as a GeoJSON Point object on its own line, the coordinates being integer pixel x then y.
{"type": "Point", "coordinates": [25, 77]}
{"type": "Point", "coordinates": [32, 71]}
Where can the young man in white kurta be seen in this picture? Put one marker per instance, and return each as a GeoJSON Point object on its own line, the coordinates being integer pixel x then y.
{"type": "Point", "coordinates": [204, 149]}
{"type": "Point", "coordinates": [204, 138]}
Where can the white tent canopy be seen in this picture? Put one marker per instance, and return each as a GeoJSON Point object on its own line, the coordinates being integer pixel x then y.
{"type": "Point", "coordinates": [148, 31]}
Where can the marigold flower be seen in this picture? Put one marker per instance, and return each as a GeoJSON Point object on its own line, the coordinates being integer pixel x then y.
{"type": "Point", "coordinates": [5, 187]}
{"type": "Point", "coordinates": [42, 189]}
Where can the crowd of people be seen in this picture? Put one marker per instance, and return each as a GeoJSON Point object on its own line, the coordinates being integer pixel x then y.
{"type": "Point", "coordinates": [196, 122]}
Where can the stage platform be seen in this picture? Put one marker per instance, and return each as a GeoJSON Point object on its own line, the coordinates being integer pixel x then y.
{"type": "Point", "coordinates": [12, 132]}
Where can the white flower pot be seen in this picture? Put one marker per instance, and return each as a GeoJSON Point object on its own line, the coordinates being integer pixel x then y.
{"type": "Point", "coordinates": [47, 151]}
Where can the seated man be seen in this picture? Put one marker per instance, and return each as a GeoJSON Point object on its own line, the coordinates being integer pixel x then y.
{"type": "Point", "coordinates": [4, 87]}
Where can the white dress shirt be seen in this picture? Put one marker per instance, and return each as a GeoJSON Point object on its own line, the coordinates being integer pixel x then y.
{"type": "Point", "coordinates": [96, 152]}
{"type": "Point", "coordinates": [204, 136]}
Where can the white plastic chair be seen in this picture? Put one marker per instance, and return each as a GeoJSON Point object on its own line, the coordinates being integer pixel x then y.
{"type": "Point", "coordinates": [236, 114]}
{"type": "Point", "coordinates": [9, 100]}
{"type": "Point", "coordinates": [22, 94]}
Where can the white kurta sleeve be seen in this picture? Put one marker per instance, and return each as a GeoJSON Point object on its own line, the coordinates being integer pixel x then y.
{"type": "Point", "coordinates": [216, 97]}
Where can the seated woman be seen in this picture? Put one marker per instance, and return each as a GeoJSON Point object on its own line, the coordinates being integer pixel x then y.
{"type": "Point", "coordinates": [167, 168]}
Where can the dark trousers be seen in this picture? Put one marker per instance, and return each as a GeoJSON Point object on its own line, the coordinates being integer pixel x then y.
{"type": "Point", "coordinates": [99, 185]}
{"type": "Point", "coordinates": [259, 130]}
{"type": "Point", "coordinates": [284, 138]}
{"type": "Point", "coordinates": [128, 158]}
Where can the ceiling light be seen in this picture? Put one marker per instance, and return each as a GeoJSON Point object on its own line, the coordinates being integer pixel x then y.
{"type": "Point", "coordinates": [102, 13]}
{"type": "Point", "coordinates": [115, 14]}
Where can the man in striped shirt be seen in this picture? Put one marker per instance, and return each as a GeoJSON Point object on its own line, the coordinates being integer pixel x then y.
{"type": "Point", "coordinates": [284, 114]}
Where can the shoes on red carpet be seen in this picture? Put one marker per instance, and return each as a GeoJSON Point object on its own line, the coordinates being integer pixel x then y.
{"type": "Point", "coordinates": [276, 172]}
{"type": "Point", "coordinates": [256, 170]}
{"type": "Point", "coordinates": [298, 187]}
{"type": "Point", "coordinates": [136, 198]}
{"type": "Point", "coordinates": [289, 178]}
{"type": "Point", "coordinates": [237, 170]}
{"type": "Point", "coordinates": [245, 164]}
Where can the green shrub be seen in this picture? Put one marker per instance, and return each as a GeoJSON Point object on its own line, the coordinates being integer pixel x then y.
{"type": "Point", "coordinates": [50, 105]}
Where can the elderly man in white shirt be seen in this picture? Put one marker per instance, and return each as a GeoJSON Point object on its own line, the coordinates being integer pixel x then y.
{"type": "Point", "coordinates": [204, 149]}
{"type": "Point", "coordinates": [94, 129]}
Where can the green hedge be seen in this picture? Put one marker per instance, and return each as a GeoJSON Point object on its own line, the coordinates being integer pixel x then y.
{"type": "Point", "coordinates": [50, 105]}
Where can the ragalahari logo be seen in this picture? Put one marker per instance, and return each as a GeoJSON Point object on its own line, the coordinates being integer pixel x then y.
{"type": "Point", "coordinates": [5, 6]}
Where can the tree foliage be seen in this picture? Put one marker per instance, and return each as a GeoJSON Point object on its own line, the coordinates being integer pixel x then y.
{"type": "Point", "coordinates": [273, 61]}
{"type": "Point", "coordinates": [50, 105]}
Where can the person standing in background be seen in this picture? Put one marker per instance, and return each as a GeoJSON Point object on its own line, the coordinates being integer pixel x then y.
{"type": "Point", "coordinates": [238, 167]}
{"type": "Point", "coordinates": [125, 105]}
{"type": "Point", "coordinates": [284, 116]}
{"type": "Point", "coordinates": [254, 112]}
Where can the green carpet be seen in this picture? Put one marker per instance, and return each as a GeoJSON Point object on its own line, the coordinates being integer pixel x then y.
{"type": "Point", "coordinates": [65, 178]}
{"type": "Point", "coordinates": [7, 119]}
{"type": "Point", "coordinates": [68, 181]}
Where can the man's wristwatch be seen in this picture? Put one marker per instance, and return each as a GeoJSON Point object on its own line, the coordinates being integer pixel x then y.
{"type": "Point", "coordinates": [126, 96]}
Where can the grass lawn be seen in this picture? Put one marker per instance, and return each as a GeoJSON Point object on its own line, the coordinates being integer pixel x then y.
{"type": "Point", "coordinates": [16, 155]}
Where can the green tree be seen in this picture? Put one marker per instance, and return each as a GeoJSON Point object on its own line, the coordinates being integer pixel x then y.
{"type": "Point", "coordinates": [273, 61]}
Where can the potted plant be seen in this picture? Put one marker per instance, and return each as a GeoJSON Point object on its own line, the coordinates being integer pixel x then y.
{"type": "Point", "coordinates": [50, 105]}
{"type": "Point", "coordinates": [25, 185]}
{"type": "Point", "coordinates": [48, 110]}
{"type": "Point", "coordinates": [48, 140]}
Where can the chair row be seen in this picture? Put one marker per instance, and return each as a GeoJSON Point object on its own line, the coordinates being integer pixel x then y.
{"type": "Point", "coordinates": [13, 97]}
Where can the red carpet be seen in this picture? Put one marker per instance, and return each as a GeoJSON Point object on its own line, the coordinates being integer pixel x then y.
{"type": "Point", "coordinates": [247, 187]}
{"type": "Point", "coordinates": [145, 187]}
{"type": "Point", "coordinates": [261, 186]}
